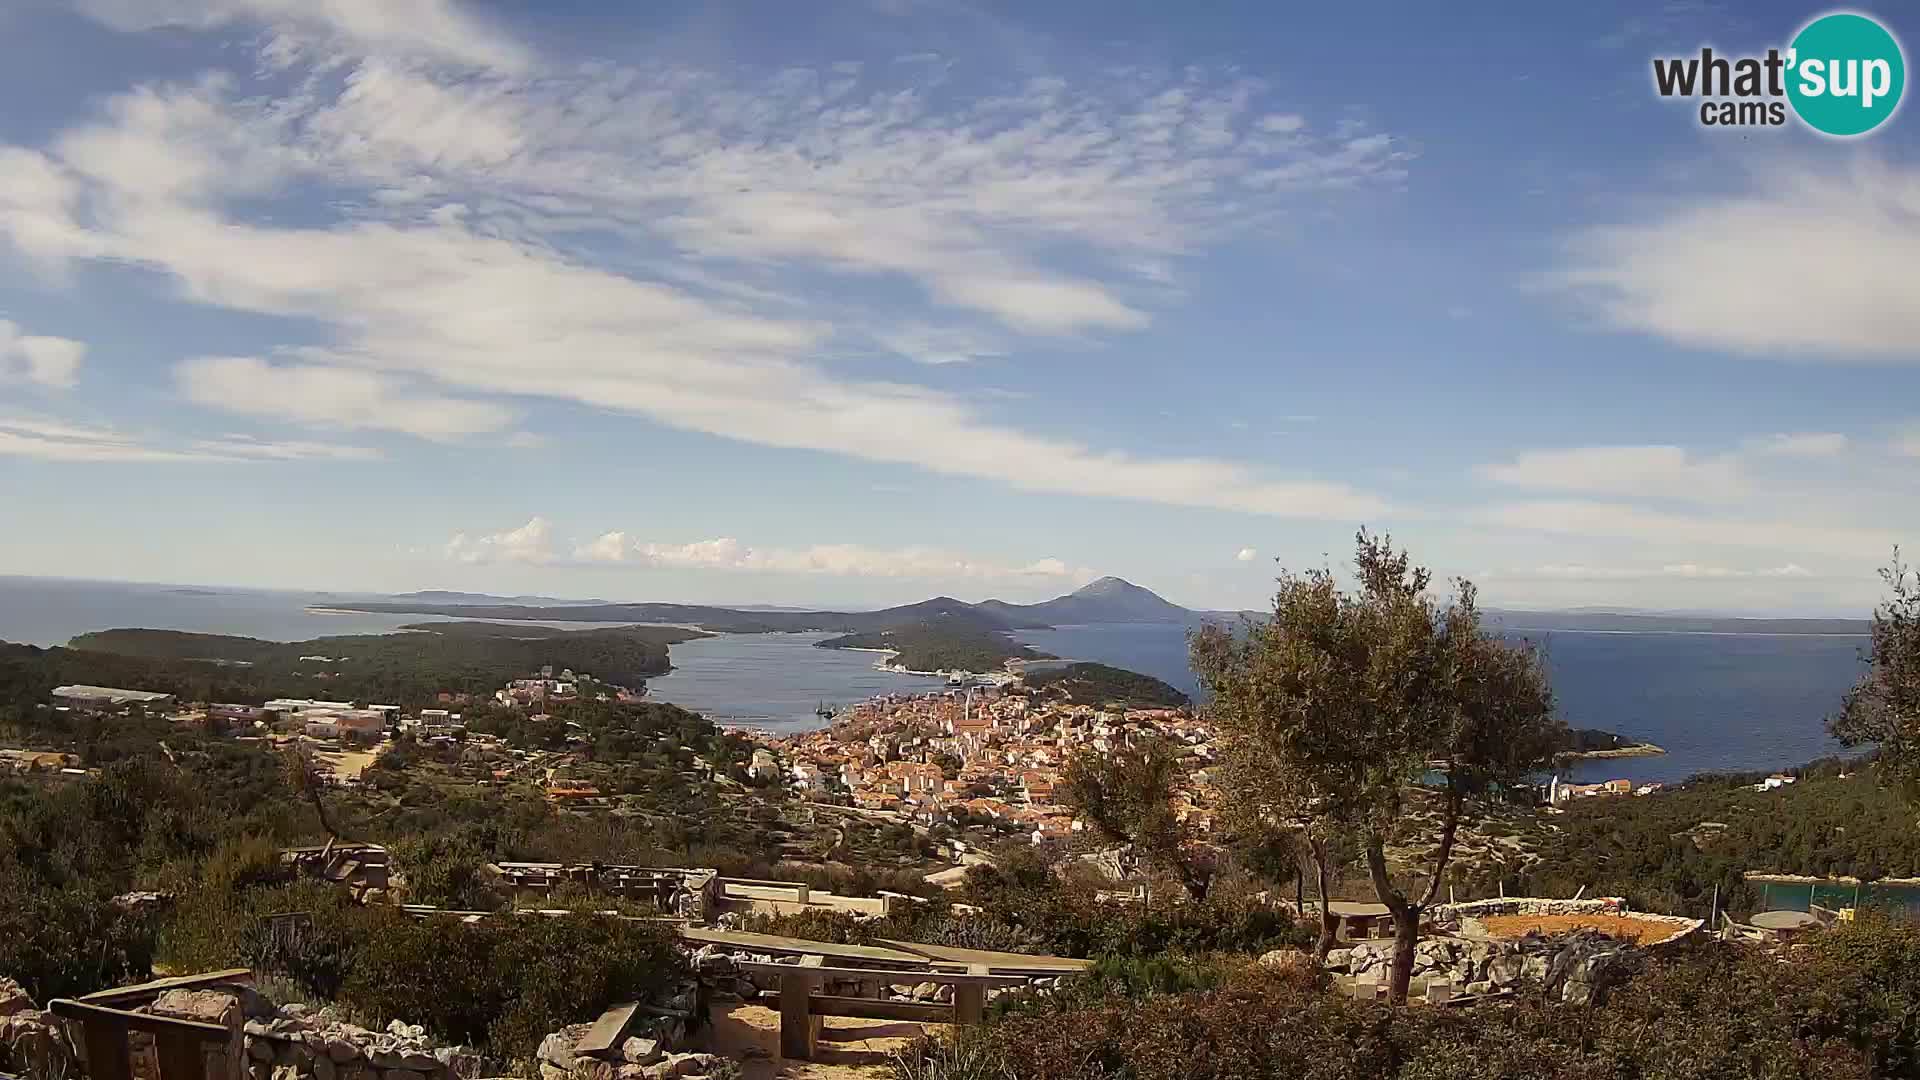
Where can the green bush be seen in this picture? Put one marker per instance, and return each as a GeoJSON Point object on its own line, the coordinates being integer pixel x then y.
{"type": "Point", "coordinates": [1700, 1014]}
{"type": "Point", "coordinates": [506, 981]}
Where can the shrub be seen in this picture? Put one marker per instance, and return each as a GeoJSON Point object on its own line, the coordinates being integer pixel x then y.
{"type": "Point", "coordinates": [507, 981]}
{"type": "Point", "coordinates": [1706, 1013]}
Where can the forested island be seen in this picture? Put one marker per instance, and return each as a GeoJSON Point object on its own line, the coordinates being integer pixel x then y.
{"type": "Point", "coordinates": [1102, 684]}
{"type": "Point", "coordinates": [1594, 743]}
{"type": "Point", "coordinates": [931, 647]}
{"type": "Point", "coordinates": [404, 669]}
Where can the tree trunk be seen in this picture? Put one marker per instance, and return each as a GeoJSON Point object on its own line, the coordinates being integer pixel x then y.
{"type": "Point", "coordinates": [1406, 934]}
{"type": "Point", "coordinates": [1406, 921]}
{"type": "Point", "coordinates": [1329, 925]}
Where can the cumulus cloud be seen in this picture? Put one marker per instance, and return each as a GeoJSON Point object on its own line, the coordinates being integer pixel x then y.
{"type": "Point", "coordinates": [530, 543]}
{"type": "Point", "coordinates": [1246, 554]}
{"type": "Point", "coordinates": [468, 264]}
{"type": "Point", "coordinates": [52, 362]}
{"type": "Point", "coordinates": [1841, 244]}
{"type": "Point", "coordinates": [1667, 471]}
{"type": "Point", "coordinates": [837, 560]}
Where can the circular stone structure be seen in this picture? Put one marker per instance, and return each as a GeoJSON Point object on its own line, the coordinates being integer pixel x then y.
{"type": "Point", "coordinates": [1787, 922]}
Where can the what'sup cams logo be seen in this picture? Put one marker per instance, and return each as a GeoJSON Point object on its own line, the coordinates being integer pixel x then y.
{"type": "Point", "coordinates": [1842, 76]}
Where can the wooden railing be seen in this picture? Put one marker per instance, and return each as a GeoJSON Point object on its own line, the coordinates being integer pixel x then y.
{"type": "Point", "coordinates": [186, 1049]}
{"type": "Point", "coordinates": [181, 1045]}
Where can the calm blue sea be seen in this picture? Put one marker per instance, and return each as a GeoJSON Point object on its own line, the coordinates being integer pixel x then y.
{"type": "Point", "coordinates": [775, 681]}
{"type": "Point", "coordinates": [1715, 701]}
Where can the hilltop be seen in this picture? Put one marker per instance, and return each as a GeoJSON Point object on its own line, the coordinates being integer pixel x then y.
{"type": "Point", "coordinates": [1108, 600]}
{"type": "Point", "coordinates": [1103, 684]}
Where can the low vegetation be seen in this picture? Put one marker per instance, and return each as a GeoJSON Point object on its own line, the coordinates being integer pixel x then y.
{"type": "Point", "coordinates": [1101, 684]}
{"type": "Point", "coordinates": [404, 669]}
{"type": "Point", "coordinates": [1851, 1010]}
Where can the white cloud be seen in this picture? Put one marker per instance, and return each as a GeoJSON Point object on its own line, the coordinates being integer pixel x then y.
{"type": "Point", "coordinates": [1667, 471]}
{"type": "Point", "coordinates": [52, 362]}
{"type": "Point", "coordinates": [58, 440]}
{"type": "Point", "coordinates": [238, 446]}
{"type": "Point", "coordinates": [432, 28]}
{"type": "Point", "coordinates": [501, 299]}
{"type": "Point", "coordinates": [332, 397]}
{"type": "Point", "coordinates": [1581, 572]}
{"type": "Point", "coordinates": [1807, 445]}
{"type": "Point", "coordinates": [1246, 554]}
{"type": "Point", "coordinates": [530, 543]}
{"type": "Point", "coordinates": [1808, 260]}
{"type": "Point", "coordinates": [1690, 531]}
{"type": "Point", "coordinates": [838, 560]}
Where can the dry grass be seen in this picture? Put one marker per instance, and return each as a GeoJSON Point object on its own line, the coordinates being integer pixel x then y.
{"type": "Point", "coordinates": [1623, 927]}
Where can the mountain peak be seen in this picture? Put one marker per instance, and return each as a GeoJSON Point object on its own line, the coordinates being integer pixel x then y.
{"type": "Point", "coordinates": [1109, 586]}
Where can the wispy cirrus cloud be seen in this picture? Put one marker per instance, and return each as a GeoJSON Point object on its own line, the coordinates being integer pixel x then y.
{"type": "Point", "coordinates": [469, 265]}
{"type": "Point", "coordinates": [1684, 271]}
{"type": "Point", "coordinates": [58, 440]}
{"type": "Point", "coordinates": [340, 397]}
{"type": "Point", "coordinates": [437, 29]}
{"type": "Point", "coordinates": [1665, 471]}
{"type": "Point", "coordinates": [534, 543]}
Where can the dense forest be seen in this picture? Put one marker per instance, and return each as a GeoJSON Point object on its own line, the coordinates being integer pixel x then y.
{"type": "Point", "coordinates": [931, 646]}
{"type": "Point", "coordinates": [404, 669]}
{"type": "Point", "coordinates": [1101, 684]}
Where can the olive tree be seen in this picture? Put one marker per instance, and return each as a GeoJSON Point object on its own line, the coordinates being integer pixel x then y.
{"type": "Point", "coordinates": [1127, 796]}
{"type": "Point", "coordinates": [1337, 708]}
{"type": "Point", "coordinates": [1883, 709]}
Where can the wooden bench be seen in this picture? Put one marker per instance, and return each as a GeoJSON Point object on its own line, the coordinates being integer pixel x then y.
{"type": "Point", "coordinates": [802, 1007]}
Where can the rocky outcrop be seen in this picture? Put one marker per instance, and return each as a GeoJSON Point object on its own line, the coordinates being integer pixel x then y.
{"type": "Point", "coordinates": [1580, 967]}
{"type": "Point", "coordinates": [32, 1043]}
{"type": "Point", "coordinates": [636, 1058]}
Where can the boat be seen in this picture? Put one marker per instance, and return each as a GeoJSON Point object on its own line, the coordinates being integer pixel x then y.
{"type": "Point", "coordinates": [823, 712]}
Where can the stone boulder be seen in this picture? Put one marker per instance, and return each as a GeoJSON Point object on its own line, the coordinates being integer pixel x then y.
{"type": "Point", "coordinates": [205, 1006]}
{"type": "Point", "coordinates": [1286, 960]}
{"type": "Point", "coordinates": [637, 1051]}
{"type": "Point", "coordinates": [13, 998]}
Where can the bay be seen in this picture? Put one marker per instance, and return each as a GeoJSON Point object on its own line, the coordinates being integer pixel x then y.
{"type": "Point", "coordinates": [775, 681]}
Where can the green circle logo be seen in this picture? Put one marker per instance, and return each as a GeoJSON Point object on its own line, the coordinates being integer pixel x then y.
{"type": "Point", "coordinates": [1845, 74]}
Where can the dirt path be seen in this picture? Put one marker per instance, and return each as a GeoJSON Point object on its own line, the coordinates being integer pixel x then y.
{"type": "Point", "coordinates": [850, 1048]}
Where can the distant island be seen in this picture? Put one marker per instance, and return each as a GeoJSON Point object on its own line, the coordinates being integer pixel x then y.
{"type": "Point", "coordinates": [404, 669]}
{"type": "Point", "coordinates": [931, 648]}
{"type": "Point", "coordinates": [1594, 743]}
{"type": "Point", "coordinates": [1083, 683]}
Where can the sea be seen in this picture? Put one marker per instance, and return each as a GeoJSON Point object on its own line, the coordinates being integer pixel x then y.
{"type": "Point", "coordinates": [1715, 702]}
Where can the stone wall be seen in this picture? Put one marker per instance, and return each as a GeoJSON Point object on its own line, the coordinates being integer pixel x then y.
{"type": "Point", "coordinates": [296, 1042]}
{"type": "Point", "coordinates": [1579, 967]}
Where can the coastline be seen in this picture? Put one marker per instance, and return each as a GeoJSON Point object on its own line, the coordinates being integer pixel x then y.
{"type": "Point", "coordinates": [1636, 750]}
{"type": "Point", "coordinates": [1764, 877]}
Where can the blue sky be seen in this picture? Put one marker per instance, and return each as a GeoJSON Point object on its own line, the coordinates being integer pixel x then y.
{"type": "Point", "coordinates": [855, 304]}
